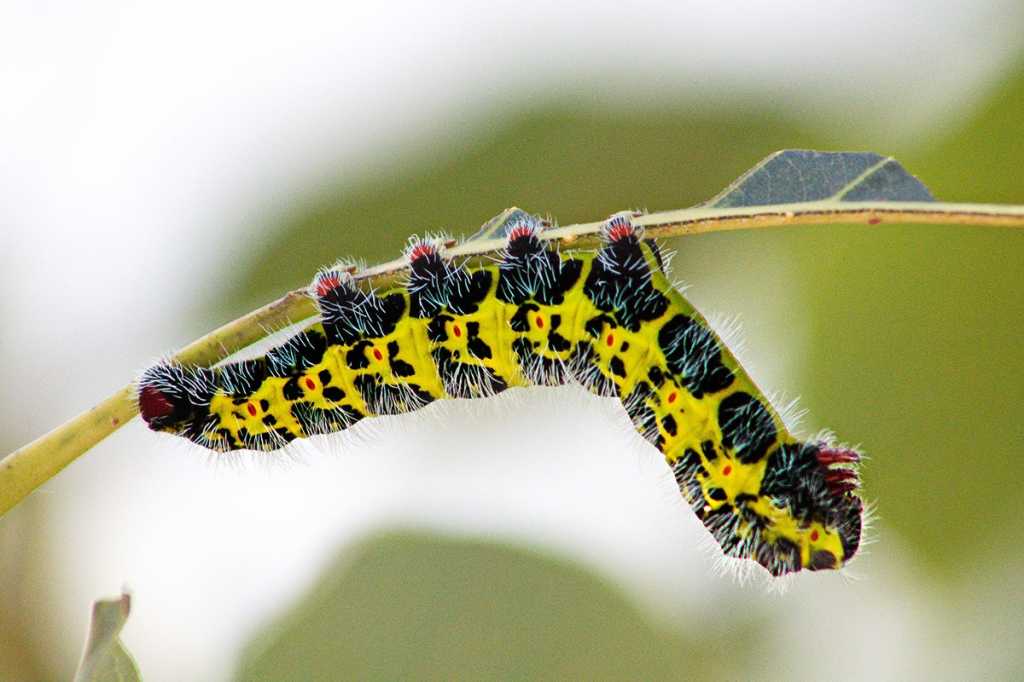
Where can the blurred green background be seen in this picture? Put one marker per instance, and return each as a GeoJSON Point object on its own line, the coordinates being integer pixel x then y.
{"type": "Point", "coordinates": [903, 339]}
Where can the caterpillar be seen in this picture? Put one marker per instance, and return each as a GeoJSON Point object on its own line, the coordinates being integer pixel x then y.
{"type": "Point", "coordinates": [608, 319]}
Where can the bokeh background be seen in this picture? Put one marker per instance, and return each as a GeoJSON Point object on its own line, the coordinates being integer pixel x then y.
{"type": "Point", "coordinates": [165, 168]}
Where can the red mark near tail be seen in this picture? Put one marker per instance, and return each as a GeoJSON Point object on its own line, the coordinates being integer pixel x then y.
{"type": "Point", "coordinates": [839, 480]}
{"type": "Point", "coordinates": [828, 456]}
{"type": "Point", "coordinates": [377, 354]}
{"type": "Point", "coordinates": [310, 384]}
{"type": "Point", "coordinates": [251, 408]}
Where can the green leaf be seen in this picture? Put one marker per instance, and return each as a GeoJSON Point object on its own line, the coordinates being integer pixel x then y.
{"type": "Point", "coordinates": [418, 606]}
{"type": "Point", "coordinates": [105, 659]}
{"type": "Point", "coordinates": [578, 163]}
{"type": "Point", "coordinates": [497, 227]}
{"type": "Point", "coordinates": [801, 175]}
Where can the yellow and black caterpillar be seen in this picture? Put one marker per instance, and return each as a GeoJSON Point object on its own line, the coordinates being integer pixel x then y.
{"type": "Point", "coordinates": [609, 320]}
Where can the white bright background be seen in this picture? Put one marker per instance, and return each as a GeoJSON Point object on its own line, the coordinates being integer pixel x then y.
{"type": "Point", "coordinates": [145, 148]}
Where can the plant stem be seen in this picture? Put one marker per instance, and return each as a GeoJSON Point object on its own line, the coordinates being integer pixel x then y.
{"type": "Point", "coordinates": [30, 466]}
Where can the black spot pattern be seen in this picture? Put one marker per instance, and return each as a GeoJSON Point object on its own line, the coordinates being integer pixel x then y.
{"type": "Point", "coordinates": [668, 423]}
{"type": "Point", "coordinates": [399, 367]}
{"type": "Point", "coordinates": [619, 284]}
{"type": "Point", "coordinates": [692, 352]}
{"type": "Point", "coordinates": [477, 346]}
{"type": "Point", "coordinates": [334, 394]}
{"type": "Point", "coordinates": [747, 427]}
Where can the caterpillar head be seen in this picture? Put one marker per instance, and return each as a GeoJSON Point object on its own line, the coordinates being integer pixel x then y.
{"type": "Point", "coordinates": [170, 395]}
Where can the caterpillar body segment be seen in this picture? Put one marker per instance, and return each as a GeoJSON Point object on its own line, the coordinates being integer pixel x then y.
{"type": "Point", "coordinates": [609, 320]}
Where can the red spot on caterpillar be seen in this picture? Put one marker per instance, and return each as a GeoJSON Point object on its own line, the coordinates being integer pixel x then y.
{"type": "Point", "coordinates": [540, 322]}
{"type": "Point", "coordinates": [727, 469]}
{"type": "Point", "coordinates": [310, 384]}
{"type": "Point", "coordinates": [672, 397]}
{"type": "Point", "coordinates": [153, 404]}
{"type": "Point", "coordinates": [455, 330]}
{"type": "Point", "coordinates": [828, 456]}
{"type": "Point", "coordinates": [839, 480]}
{"type": "Point", "coordinates": [251, 408]}
{"type": "Point", "coordinates": [619, 229]}
{"type": "Point", "coordinates": [610, 341]}
{"type": "Point", "coordinates": [377, 354]}
{"type": "Point", "coordinates": [814, 535]}
{"type": "Point", "coordinates": [617, 233]}
{"type": "Point", "coordinates": [326, 284]}
{"type": "Point", "coordinates": [421, 250]}
{"type": "Point", "coordinates": [520, 231]}
{"type": "Point", "coordinates": [874, 220]}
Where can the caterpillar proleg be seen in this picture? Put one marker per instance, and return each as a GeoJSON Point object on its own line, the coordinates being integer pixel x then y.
{"type": "Point", "coordinates": [609, 320]}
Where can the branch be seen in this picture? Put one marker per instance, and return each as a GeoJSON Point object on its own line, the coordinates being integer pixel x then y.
{"type": "Point", "coordinates": [30, 466]}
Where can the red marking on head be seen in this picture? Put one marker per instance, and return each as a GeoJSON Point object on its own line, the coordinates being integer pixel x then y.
{"type": "Point", "coordinates": [727, 469]}
{"type": "Point", "coordinates": [540, 322]}
{"type": "Point", "coordinates": [421, 250]}
{"type": "Point", "coordinates": [874, 220]}
{"type": "Point", "coordinates": [377, 354]}
{"type": "Point", "coordinates": [619, 229]}
{"type": "Point", "coordinates": [326, 284]}
{"type": "Point", "coordinates": [814, 535]}
{"type": "Point", "coordinates": [310, 384]}
{"type": "Point", "coordinates": [153, 404]}
{"type": "Point", "coordinates": [610, 340]}
{"type": "Point", "coordinates": [672, 397]}
{"type": "Point", "coordinates": [251, 408]}
{"type": "Point", "coordinates": [456, 330]}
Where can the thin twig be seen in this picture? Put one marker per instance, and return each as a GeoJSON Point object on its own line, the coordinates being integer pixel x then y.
{"type": "Point", "coordinates": [30, 466]}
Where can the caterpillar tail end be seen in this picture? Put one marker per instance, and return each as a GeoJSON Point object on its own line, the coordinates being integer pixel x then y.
{"type": "Point", "coordinates": [819, 516]}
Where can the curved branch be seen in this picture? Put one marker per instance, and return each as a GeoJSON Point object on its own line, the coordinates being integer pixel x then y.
{"type": "Point", "coordinates": [30, 466]}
